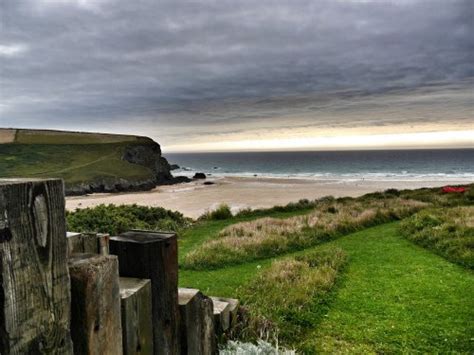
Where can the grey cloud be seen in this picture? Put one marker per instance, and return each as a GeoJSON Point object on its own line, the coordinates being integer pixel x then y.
{"type": "Point", "coordinates": [179, 63]}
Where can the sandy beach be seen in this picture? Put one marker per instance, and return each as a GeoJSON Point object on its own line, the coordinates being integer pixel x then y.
{"type": "Point", "coordinates": [195, 198]}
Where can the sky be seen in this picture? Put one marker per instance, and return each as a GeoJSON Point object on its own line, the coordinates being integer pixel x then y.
{"type": "Point", "coordinates": [243, 75]}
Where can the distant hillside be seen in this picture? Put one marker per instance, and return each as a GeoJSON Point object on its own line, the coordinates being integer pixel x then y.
{"type": "Point", "coordinates": [88, 162]}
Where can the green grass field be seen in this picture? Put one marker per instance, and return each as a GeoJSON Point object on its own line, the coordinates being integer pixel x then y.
{"type": "Point", "coordinates": [377, 290]}
{"type": "Point", "coordinates": [75, 157]}
{"type": "Point", "coordinates": [394, 297]}
{"type": "Point", "coordinates": [75, 163]}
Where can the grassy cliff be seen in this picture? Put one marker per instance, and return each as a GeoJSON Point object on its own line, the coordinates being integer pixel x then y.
{"type": "Point", "coordinates": [88, 162]}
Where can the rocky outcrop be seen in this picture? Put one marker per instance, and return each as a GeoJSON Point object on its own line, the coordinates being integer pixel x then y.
{"type": "Point", "coordinates": [116, 185]}
{"type": "Point", "coordinates": [148, 154]}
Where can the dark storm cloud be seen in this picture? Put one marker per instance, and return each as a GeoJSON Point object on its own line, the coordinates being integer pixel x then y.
{"type": "Point", "coordinates": [190, 64]}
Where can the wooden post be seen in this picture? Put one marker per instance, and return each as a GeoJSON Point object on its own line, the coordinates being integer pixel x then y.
{"type": "Point", "coordinates": [137, 332]}
{"type": "Point", "coordinates": [34, 279]}
{"type": "Point", "coordinates": [221, 316]}
{"type": "Point", "coordinates": [190, 320]}
{"type": "Point", "coordinates": [197, 335]}
{"type": "Point", "coordinates": [208, 327]}
{"type": "Point", "coordinates": [233, 308]}
{"type": "Point", "coordinates": [152, 255]}
{"type": "Point", "coordinates": [95, 312]}
{"type": "Point", "coordinates": [103, 243]}
{"type": "Point", "coordinates": [88, 243]}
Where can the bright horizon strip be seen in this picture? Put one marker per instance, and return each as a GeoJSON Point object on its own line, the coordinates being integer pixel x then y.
{"type": "Point", "coordinates": [444, 139]}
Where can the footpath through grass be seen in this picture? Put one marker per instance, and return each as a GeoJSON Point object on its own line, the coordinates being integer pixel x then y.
{"type": "Point", "coordinates": [394, 297]}
{"type": "Point", "coordinates": [398, 297]}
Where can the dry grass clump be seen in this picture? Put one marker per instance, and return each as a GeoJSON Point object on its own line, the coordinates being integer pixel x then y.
{"type": "Point", "coordinates": [447, 231]}
{"type": "Point", "coordinates": [300, 287]}
{"type": "Point", "coordinates": [268, 237]}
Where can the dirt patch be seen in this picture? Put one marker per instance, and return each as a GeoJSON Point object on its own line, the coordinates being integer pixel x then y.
{"type": "Point", "coordinates": [7, 135]}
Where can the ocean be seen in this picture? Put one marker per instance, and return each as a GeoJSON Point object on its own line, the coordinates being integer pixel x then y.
{"type": "Point", "coordinates": [406, 165]}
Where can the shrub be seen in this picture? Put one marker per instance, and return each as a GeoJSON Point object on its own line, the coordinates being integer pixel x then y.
{"type": "Point", "coordinates": [268, 237]}
{"type": "Point", "coordinates": [117, 219]}
{"type": "Point", "coordinates": [447, 231]}
{"type": "Point", "coordinates": [300, 286]}
{"type": "Point", "coordinates": [220, 213]}
{"type": "Point", "coordinates": [436, 197]}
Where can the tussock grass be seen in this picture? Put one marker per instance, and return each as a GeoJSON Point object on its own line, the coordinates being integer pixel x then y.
{"type": "Point", "coordinates": [291, 294]}
{"type": "Point", "coordinates": [220, 213]}
{"type": "Point", "coordinates": [447, 231]}
{"type": "Point", "coordinates": [268, 237]}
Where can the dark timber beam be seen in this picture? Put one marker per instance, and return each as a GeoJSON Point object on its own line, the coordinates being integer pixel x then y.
{"type": "Point", "coordinates": [152, 255]}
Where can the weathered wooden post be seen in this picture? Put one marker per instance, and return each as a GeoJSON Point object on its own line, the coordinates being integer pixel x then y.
{"type": "Point", "coordinates": [209, 328]}
{"type": "Point", "coordinates": [95, 312]}
{"type": "Point", "coordinates": [190, 321]}
{"type": "Point", "coordinates": [137, 326]}
{"type": "Point", "coordinates": [89, 243]}
{"type": "Point", "coordinates": [34, 278]}
{"type": "Point", "coordinates": [152, 255]}
{"type": "Point", "coordinates": [221, 316]}
{"type": "Point", "coordinates": [233, 308]}
{"type": "Point", "coordinates": [197, 335]}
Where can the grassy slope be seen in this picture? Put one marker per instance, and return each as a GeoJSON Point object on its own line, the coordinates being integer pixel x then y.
{"type": "Point", "coordinates": [398, 296]}
{"type": "Point", "coordinates": [448, 232]}
{"type": "Point", "coordinates": [31, 136]}
{"type": "Point", "coordinates": [74, 163]}
{"type": "Point", "coordinates": [394, 296]}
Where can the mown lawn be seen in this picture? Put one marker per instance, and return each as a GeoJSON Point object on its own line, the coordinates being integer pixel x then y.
{"type": "Point", "coordinates": [394, 297]}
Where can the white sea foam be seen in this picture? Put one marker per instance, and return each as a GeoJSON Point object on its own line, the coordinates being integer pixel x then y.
{"type": "Point", "coordinates": [345, 177]}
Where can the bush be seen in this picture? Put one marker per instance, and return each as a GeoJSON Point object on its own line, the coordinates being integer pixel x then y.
{"type": "Point", "coordinates": [117, 219]}
{"type": "Point", "coordinates": [220, 213]}
{"type": "Point", "coordinates": [268, 237]}
{"type": "Point", "coordinates": [447, 231]}
{"type": "Point", "coordinates": [300, 286]}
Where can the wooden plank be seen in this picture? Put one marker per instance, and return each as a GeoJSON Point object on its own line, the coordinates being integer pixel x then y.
{"type": "Point", "coordinates": [95, 312]}
{"type": "Point", "coordinates": [137, 324]}
{"type": "Point", "coordinates": [34, 279]}
{"type": "Point", "coordinates": [153, 255]}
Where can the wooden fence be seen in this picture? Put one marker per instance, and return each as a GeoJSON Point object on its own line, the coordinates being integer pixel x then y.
{"type": "Point", "coordinates": [73, 293]}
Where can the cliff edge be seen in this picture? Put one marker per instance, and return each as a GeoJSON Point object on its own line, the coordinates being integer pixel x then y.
{"type": "Point", "coordinates": [88, 162]}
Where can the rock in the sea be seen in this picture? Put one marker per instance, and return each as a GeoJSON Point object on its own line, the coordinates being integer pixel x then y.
{"type": "Point", "coordinates": [209, 183]}
{"type": "Point", "coordinates": [174, 166]}
{"type": "Point", "coordinates": [199, 176]}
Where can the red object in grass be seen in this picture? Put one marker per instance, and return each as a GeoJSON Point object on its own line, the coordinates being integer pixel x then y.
{"type": "Point", "coordinates": [452, 189]}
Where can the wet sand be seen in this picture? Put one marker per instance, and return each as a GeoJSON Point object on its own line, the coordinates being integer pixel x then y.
{"type": "Point", "coordinates": [195, 198]}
